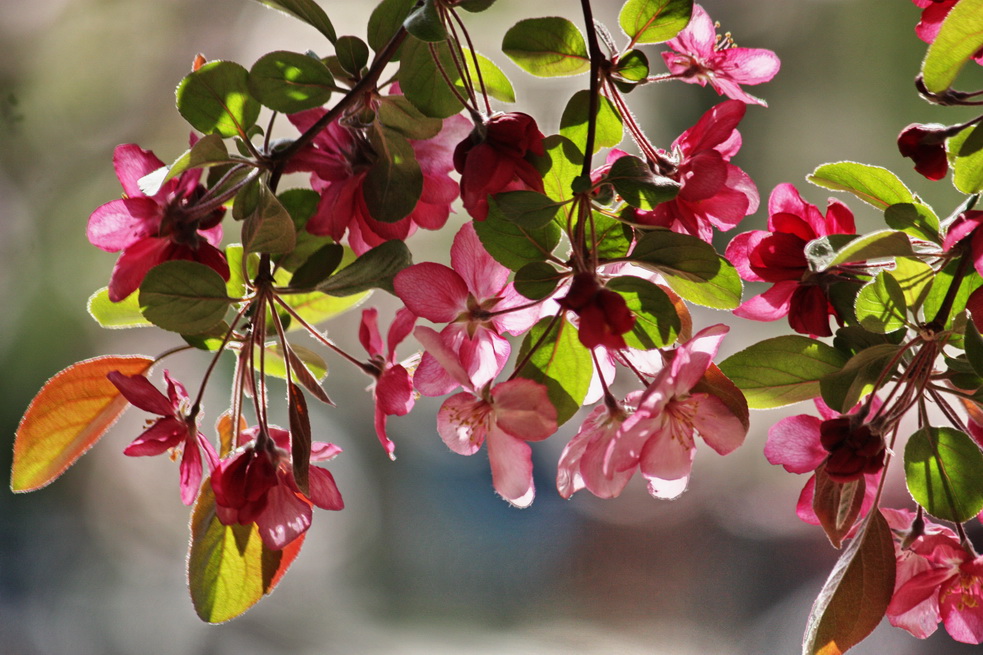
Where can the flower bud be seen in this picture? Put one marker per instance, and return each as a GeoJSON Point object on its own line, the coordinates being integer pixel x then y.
{"type": "Point", "coordinates": [925, 145]}
{"type": "Point", "coordinates": [854, 448]}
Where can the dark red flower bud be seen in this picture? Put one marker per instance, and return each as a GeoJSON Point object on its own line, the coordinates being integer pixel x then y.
{"type": "Point", "coordinates": [925, 145]}
{"type": "Point", "coordinates": [241, 484]}
{"type": "Point", "coordinates": [854, 449]}
{"type": "Point", "coordinates": [604, 314]}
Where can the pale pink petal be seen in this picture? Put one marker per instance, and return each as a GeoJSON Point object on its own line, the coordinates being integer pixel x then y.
{"type": "Point", "coordinates": [794, 443]}
{"type": "Point", "coordinates": [568, 477]}
{"type": "Point", "coordinates": [284, 518]}
{"type": "Point", "coordinates": [803, 506]}
{"type": "Point", "coordinates": [698, 37]}
{"type": "Point", "coordinates": [749, 65]}
{"type": "Point", "coordinates": [483, 356]}
{"type": "Point", "coordinates": [485, 278]}
{"type": "Point", "coordinates": [717, 424]}
{"type": "Point", "coordinates": [438, 348]}
{"type": "Point", "coordinates": [432, 291]}
{"type": "Point", "coordinates": [322, 451]}
{"type": "Point", "coordinates": [462, 423]}
{"type": "Point", "coordinates": [523, 409]}
{"type": "Point", "coordinates": [511, 467]}
{"type": "Point", "coordinates": [771, 305]}
{"type": "Point", "coordinates": [667, 457]}
{"type": "Point", "coordinates": [694, 357]}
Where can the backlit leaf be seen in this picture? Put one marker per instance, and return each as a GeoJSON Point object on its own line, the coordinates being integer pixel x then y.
{"type": "Point", "coordinates": [547, 47]}
{"type": "Point", "coordinates": [290, 82]}
{"type": "Point", "coordinates": [654, 21]}
{"type": "Point", "coordinates": [116, 315]}
{"type": "Point", "coordinates": [874, 185]}
{"type": "Point", "coordinates": [183, 296]}
{"type": "Point", "coordinates": [959, 38]}
{"type": "Point", "coordinates": [881, 305]}
{"type": "Point", "coordinates": [215, 99]}
{"type": "Point", "coordinates": [573, 123]}
{"type": "Point", "coordinates": [944, 473]}
{"type": "Point", "coordinates": [561, 363]}
{"type": "Point", "coordinates": [307, 11]}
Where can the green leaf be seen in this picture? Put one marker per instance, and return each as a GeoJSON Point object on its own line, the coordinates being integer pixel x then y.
{"type": "Point", "coordinates": [421, 81]}
{"type": "Point", "coordinates": [856, 594]}
{"type": "Point", "coordinates": [68, 416]}
{"type": "Point", "coordinates": [229, 567]}
{"type": "Point", "coordinates": [632, 68]}
{"type": "Point", "coordinates": [290, 82]}
{"type": "Point", "coordinates": [638, 185]}
{"type": "Point", "coordinates": [269, 229]}
{"type": "Point", "coordinates": [424, 23]}
{"type": "Point", "coordinates": [657, 324]}
{"type": "Point", "coordinates": [881, 305]}
{"type": "Point", "coordinates": [497, 84]}
{"type": "Point", "coordinates": [944, 472]}
{"type": "Point", "coordinates": [560, 362]}
{"type": "Point", "coordinates": [317, 307]}
{"type": "Point", "coordinates": [966, 154]}
{"type": "Point", "coordinates": [352, 54]}
{"type": "Point", "coordinates": [563, 163]}
{"type": "Point", "coordinates": [512, 245]}
{"type": "Point", "coordinates": [654, 21]}
{"type": "Point", "coordinates": [307, 11]}
{"type": "Point", "coordinates": [385, 20]}
{"type": "Point", "coordinates": [537, 280]}
{"type": "Point", "coordinates": [183, 296]}
{"type": "Point", "coordinates": [691, 267]}
{"type": "Point", "coordinates": [116, 315]}
{"type": "Point", "coordinates": [373, 269]}
{"type": "Point", "coordinates": [207, 151]}
{"type": "Point", "coordinates": [318, 267]}
{"type": "Point", "coordinates": [915, 278]}
{"type": "Point", "coordinates": [843, 389]}
{"type": "Point", "coordinates": [874, 185]}
{"type": "Point", "coordinates": [940, 287]}
{"type": "Point", "coordinates": [394, 182]}
{"type": "Point", "coordinates": [301, 204]}
{"type": "Point", "coordinates": [215, 99]}
{"type": "Point", "coordinates": [475, 6]}
{"type": "Point", "coordinates": [529, 209]}
{"type": "Point", "coordinates": [974, 347]}
{"type": "Point", "coordinates": [547, 47]}
{"type": "Point", "coordinates": [959, 38]}
{"type": "Point", "coordinates": [399, 115]}
{"type": "Point", "coordinates": [782, 370]}
{"type": "Point", "coordinates": [916, 219]}
{"type": "Point", "coordinates": [573, 123]}
{"type": "Point", "coordinates": [612, 239]}
{"type": "Point", "coordinates": [836, 249]}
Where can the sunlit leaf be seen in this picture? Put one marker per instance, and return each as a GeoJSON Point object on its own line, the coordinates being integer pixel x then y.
{"type": "Point", "coordinates": [547, 47]}
{"type": "Point", "coordinates": [959, 38]}
{"type": "Point", "coordinates": [290, 82]}
{"type": "Point", "coordinates": [560, 362]}
{"type": "Point", "coordinates": [215, 99]}
{"type": "Point", "coordinates": [944, 473]}
{"type": "Point", "coordinates": [654, 21]}
{"type": "Point", "coordinates": [116, 315]}
{"type": "Point", "coordinates": [874, 185]}
{"type": "Point", "coordinates": [183, 296]}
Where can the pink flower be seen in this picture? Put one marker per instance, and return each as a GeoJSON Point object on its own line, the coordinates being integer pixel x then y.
{"type": "Point", "coordinates": [477, 301]}
{"type": "Point", "coordinates": [495, 158]}
{"type": "Point", "coordinates": [714, 192]}
{"type": "Point", "coordinates": [659, 437]}
{"type": "Point", "coordinates": [505, 416]}
{"type": "Point", "coordinates": [175, 430]}
{"type": "Point", "coordinates": [933, 13]}
{"type": "Point", "coordinates": [702, 56]}
{"type": "Point", "coordinates": [585, 461]}
{"type": "Point", "coordinates": [154, 229]}
{"type": "Point", "coordinates": [796, 443]}
{"type": "Point", "coordinates": [392, 390]}
{"type": "Point", "coordinates": [604, 314]}
{"type": "Point", "coordinates": [778, 256]}
{"type": "Point", "coordinates": [339, 160]}
{"type": "Point", "coordinates": [936, 580]}
{"type": "Point", "coordinates": [966, 226]}
{"type": "Point", "coordinates": [256, 485]}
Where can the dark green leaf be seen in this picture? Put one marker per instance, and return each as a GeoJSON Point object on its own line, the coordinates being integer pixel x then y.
{"type": "Point", "coordinates": [944, 472]}
{"type": "Point", "coordinates": [974, 347]}
{"type": "Point", "coordinates": [475, 6]}
{"type": "Point", "coordinates": [654, 21]}
{"type": "Point", "coordinates": [547, 47]}
{"type": "Point", "coordinates": [183, 296]}
{"type": "Point", "coordinates": [398, 114]}
{"type": "Point", "coordinates": [424, 23]}
{"type": "Point", "coordinates": [537, 280]}
{"type": "Point", "coordinates": [421, 81]}
{"type": "Point", "coordinates": [940, 288]}
{"type": "Point", "coordinates": [374, 269]}
{"type": "Point", "coordinates": [561, 363]}
{"type": "Point", "coordinates": [290, 82]}
{"type": "Point", "coordinates": [528, 209]}
{"type": "Point", "coordinates": [573, 123]}
{"type": "Point", "coordinates": [635, 182]}
{"type": "Point", "coordinates": [959, 38]}
{"type": "Point", "coordinates": [386, 19]}
{"type": "Point", "coordinates": [874, 185]}
{"type": "Point", "coordinates": [318, 267]}
{"type": "Point", "coordinates": [782, 370]}
{"type": "Point", "coordinates": [308, 11]}
{"type": "Point", "coordinates": [352, 54]}
{"type": "Point", "coordinates": [269, 229]}
{"type": "Point", "coordinates": [301, 204]}
{"type": "Point", "coordinates": [207, 151]}
{"type": "Point", "coordinates": [393, 185]}
{"type": "Point", "coordinates": [844, 388]}
{"type": "Point", "coordinates": [691, 267]}
{"type": "Point", "coordinates": [657, 324]}
{"type": "Point", "coordinates": [300, 437]}
{"type": "Point", "coordinates": [215, 99]}
{"type": "Point", "coordinates": [916, 219]}
{"type": "Point", "coordinates": [512, 245]}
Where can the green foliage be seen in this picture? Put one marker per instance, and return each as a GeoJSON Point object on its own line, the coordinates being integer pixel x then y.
{"type": "Point", "coordinates": [422, 82]}
{"type": "Point", "coordinates": [843, 389]}
{"type": "Point", "coordinates": [424, 23]}
{"type": "Point", "coordinates": [916, 219]}
{"type": "Point", "coordinates": [547, 47]}
{"type": "Point", "coordinates": [654, 21]}
{"type": "Point", "coordinates": [959, 38]}
{"type": "Point", "coordinates": [530, 210]}
{"type": "Point", "coordinates": [307, 11]}
{"type": "Point", "coordinates": [657, 324]}
{"type": "Point", "coordinates": [537, 280]}
{"type": "Point", "coordinates": [874, 185]}
{"type": "Point", "coordinates": [944, 473]}
{"type": "Point", "coordinates": [394, 182]}
{"type": "Point", "coordinates": [374, 269]}
{"type": "Point", "coordinates": [215, 99]}
{"type": "Point", "coordinates": [560, 362]}
{"type": "Point", "coordinates": [208, 151]}
{"type": "Point", "coordinates": [512, 245]}
{"type": "Point", "coordinates": [635, 182]}
{"type": "Point", "coordinates": [691, 267]}
{"type": "Point", "coordinates": [574, 122]}
{"type": "Point", "coordinates": [837, 249]}
{"type": "Point", "coordinates": [269, 228]}
{"type": "Point", "coordinates": [966, 154]}
{"type": "Point", "coordinates": [183, 296]}
{"type": "Point", "coordinates": [116, 315]}
{"type": "Point", "coordinates": [881, 305]}
{"type": "Point", "coordinates": [290, 82]}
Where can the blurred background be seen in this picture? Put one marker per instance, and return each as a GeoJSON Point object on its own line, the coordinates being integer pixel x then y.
{"type": "Point", "coordinates": [425, 558]}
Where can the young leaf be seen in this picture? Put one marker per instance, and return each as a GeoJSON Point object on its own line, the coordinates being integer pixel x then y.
{"type": "Point", "coordinates": [67, 417]}
{"type": "Point", "coordinates": [782, 370]}
{"type": "Point", "coordinates": [373, 269]}
{"type": "Point", "coordinates": [183, 296]}
{"type": "Point", "coordinates": [229, 567]}
{"type": "Point", "coordinates": [393, 185]}
{"type": "Point", "coordinates": [573, 123]}
{"type": "Point", "coordinates": [300, 437]}
{"type": "Point", "coordinates": [208, 151]}
{"type": "Point", "coordinates": [837, 505]}
{"type": "Point", "coordinates": [269, 229]}
{"type": "Point", "coordinates": [215, 99]}
{"type": "Point", "coordinates": [307, 11]}
{"type": "Point", "coordinates": [856, 594]}
{"type": "Point", "coordinates": [352, 54]}
{"type": "Point", "coordinates": [836, 249]}
{"type": "Point", "coordinates": [916, 219]}
{"type": "Point", "coordinates": [317, 307]}
{"type": "Point", "coordinates": [116, 315]}
{"type": "Point", "coordinates": [874, 185]}
{"type": "Point", "coordinates": [654, 21]}
{"type": "Point", "coordinates": [290, 82]}
{"type": "Point", "coordinates": [915, 278]}
{"type": "Point", "coordinates": [560, 362]}
{"type": "Point", "coordinates": [537, 280]}
{"type": "Point", "coordinates": [562, 165]}
{"type": "Point", "coordinates": [657, 324]}
{"type": "Point", "coordinates": [547, 47]}
{"type": "Point", "coordinates": [844, 388]}
{"type": "Point", "coordinates": [966, 154]}
{"type": "Point", "coordinates": [497, 84]}
{"type": "Point", "coordinates": [881, 305]}
{"type": "Point", "coordinates": [959, 38]}
{"type": "Point", "coordinates": [421, 81]}
{"type": "Point", "coordinates": [944, 472]}
{"type": "Point", "coordinates": [512, 245]}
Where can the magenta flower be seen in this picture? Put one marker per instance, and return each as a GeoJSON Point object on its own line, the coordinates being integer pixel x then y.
{"type": "Point", "coordinates": [175, 430]}
{"type": "Point", "coordinates": [476, 300]}
{"type": "Point", "coordinates": [659, 437]}
{"type": "Point", "coordinates": [714, 192]}
{"type": "Point", "coordinates": [496, 157]}
{"type": "Point", "coordinates": [925, 145]}
{"type": "Point", "coordinates": [256, 485]}
{"type": "Point", "coordinates": [153, 229]}
{"type": "Point", "coordinates": [936, 580]}
{"type": "Point", "coordinates": [967, 226]}
{"type": "Point", "coordinates": [701, 56]}
{"type": "Point", "coordinates": [339, 160]}
{"type": "Point", "coordinates": [392, 390]}
{"type": "Point", "coordinates": [505, 416]}
{"type": "Point", "coordinates": [933, 13]}
{"type": "Point", "coordinates": [796, 443]}
{"type": "Point", "coordinates": [778, 256]}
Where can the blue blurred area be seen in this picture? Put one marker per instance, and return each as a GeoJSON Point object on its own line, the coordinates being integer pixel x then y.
{"type": "Point", "coordinates": [425, 558]}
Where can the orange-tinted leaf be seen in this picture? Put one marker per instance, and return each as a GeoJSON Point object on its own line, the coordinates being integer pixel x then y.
{"type": "Point", "coordinates": [856, 595]}
{"type": "Point", "coordinates": [226, 438]}
{"type": "Point", "coordinates": [229, 568]}
{"type": "Point", "coordinates": [837, 505]}
{"type": "Point", "coordinates": [69, 414]}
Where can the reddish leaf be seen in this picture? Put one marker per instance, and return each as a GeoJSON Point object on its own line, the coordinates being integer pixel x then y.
{"type": "Point", "coordinates": [69, 414]}
{"type": "Point", "coordinates": [229, 567]}
{"type": "Point", "coordinates": [716, 383]}
{"type": "Point", "coordinates": [303, 375]}
{"type": "Point", "coordinates": [837, 504]}
{"type": "Point", "coordinates": [300, 437]}
{"type": "Point", "coordinates": [856, 595]}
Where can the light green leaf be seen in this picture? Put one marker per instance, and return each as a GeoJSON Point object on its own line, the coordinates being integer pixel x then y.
{"type": "Point", "coordinates": [944, 472]}
{"type": "Point", "coordinates": [547, 47]}
{"type": "Point", "coordinates": [657, 324]}
{"type": "Point", "coordinates": [573, 123]}
{"type": "Point", "coordinates": [215, 99]}
{"type": "Point", "coordinates": [116, 315]}
{"type": "Point", "coordinates": [915, 278]}
{"type": "Point", "coordinates": [654, 21]}
{"type": "Point", "coordinates": [422, 83]}
{"type": "Point", "coordinates": [836, 249]}
{"type": "Point", "coordinates": [874, 185]}
{"type": "Point", "coordinates": [497, 84]}
{"type": "Point", "coordinates": [561, 363]}
{"type": "Point", "coordinates": [966, 154]}
{"type": "Point", "coordinates": [960, 37]}
{"type": "Point", "coordinates": [916, 219]}
{"type": "Point", "coordinates": [881, 305]}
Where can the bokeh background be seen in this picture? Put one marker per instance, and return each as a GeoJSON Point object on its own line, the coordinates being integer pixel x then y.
{"type": "Point", "coordinates": [425, 558]}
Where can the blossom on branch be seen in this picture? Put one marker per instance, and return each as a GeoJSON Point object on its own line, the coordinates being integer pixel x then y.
{"type": "Point", "coordinates": [150, 230]}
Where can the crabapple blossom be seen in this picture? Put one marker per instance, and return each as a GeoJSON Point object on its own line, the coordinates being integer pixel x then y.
{"type": "Point", "coordinates": [176, 429]}
{"type": "Point", "coordinates": [585, 460]}
{"type": "Point", "coordinates": [153, 229]}
{"type": "Point", "coordinates": [700, 56]}
{"type": "Point", "coordinates": [255, 484]}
